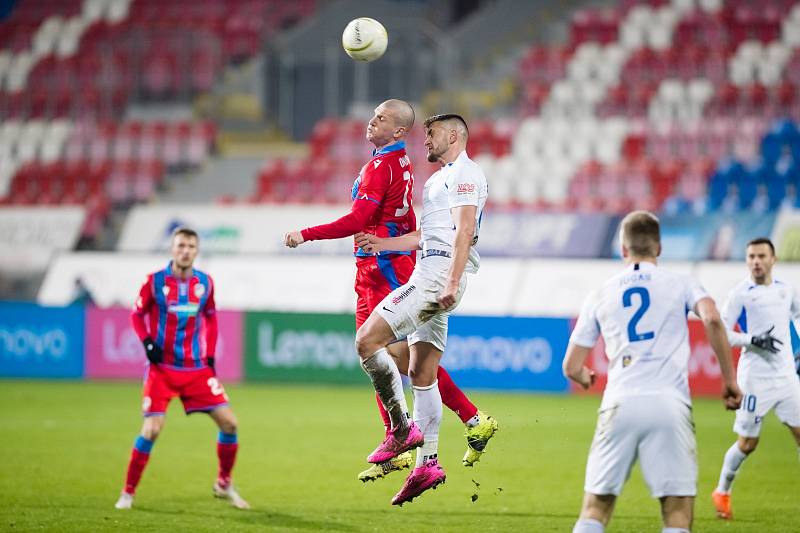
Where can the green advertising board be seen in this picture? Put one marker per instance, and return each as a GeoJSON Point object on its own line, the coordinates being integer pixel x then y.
{"type": "Point", "coordinates": [301, 347]}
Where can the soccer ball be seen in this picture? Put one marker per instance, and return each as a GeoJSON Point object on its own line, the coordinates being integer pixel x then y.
{"type": "Point", "coordinates": [365, 39]}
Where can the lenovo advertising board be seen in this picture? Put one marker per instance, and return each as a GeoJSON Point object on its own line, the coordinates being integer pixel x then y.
{"type": "Point", "coordinates": [41, 342]}
{"type": "Point", "coordinates": [114, 351]}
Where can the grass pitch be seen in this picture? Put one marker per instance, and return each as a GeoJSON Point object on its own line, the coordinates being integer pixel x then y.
{"type": "Point", "coordinates": [66, 447]}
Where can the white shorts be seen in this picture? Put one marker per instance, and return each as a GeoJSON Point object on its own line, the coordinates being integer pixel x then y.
{"type": "Point", "coordinates": [413, 312]}
{"type": "Point", "coordinates": [760, 396]}
{"type": "Point", "coordinates": [659, 431]}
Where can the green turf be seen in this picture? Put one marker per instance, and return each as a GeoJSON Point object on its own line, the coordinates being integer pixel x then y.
{"type": "Point", "coordinates": [66, 446]}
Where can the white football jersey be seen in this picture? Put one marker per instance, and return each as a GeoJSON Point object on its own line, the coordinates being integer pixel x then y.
{"type": "Point", "coordinates": [641, 313]}
{"type": "Point", "coordinates": [461, 182]}
{"type": "Point", "coordinates": [756, 308]}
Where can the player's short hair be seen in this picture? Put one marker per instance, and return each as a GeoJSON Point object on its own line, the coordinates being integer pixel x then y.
{"type": "Point", "coordinates": [640, 232]}
{"type": "Point", "coordinates": [453, 118]}
{"type": "Point", "coordinates": [403, 112]}
{"type": "Point", "coordinates": [762, 240]}
{"type": "Point", "coordinates": [185, 231]}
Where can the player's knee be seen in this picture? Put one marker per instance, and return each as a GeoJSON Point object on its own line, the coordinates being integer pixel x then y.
{"type": "Point", "coordinates": [229, 426]}
{"type": "Point", "coordinates": [748, 445]}
{"type": "Point", "coordinates": [152, 428]}
{"type": "Point", "coordinates": [364, 345]}
{"type": "Point", "coordinates": [419, 377]}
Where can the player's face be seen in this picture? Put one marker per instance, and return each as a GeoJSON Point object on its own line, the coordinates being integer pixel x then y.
{"type": "Point", "coordinates": [184, 250]}
{"type": "Point", "coordinates": [760, 260]}
{"type": "Point", "coordinates": [436, 141]}
{"type": "Point", "coordinates": [381, 127]}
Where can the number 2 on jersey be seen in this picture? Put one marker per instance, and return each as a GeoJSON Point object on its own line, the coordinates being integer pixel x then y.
{"type": "Point", "coordinates": [644, 304]}
{"type": "Point", "coordinates": [409, 182]}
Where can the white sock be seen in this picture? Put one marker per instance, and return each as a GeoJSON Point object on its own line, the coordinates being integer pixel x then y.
{"type": "Point", "coordinates": [588, 525]}
{"type": "Point", "coordinates": [428, 416]}
{"type": "Point", "coordinates": [385, 377]}
{"type": "Point", "coordinates": [730, 465]}
{"type": "Point", "coordinates": [674, 530]}
{"type": "Point", "coordinates": [474, 421]}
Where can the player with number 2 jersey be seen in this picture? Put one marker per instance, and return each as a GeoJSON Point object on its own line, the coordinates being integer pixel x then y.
{"type": "Point", "coordinates": [646, 408]}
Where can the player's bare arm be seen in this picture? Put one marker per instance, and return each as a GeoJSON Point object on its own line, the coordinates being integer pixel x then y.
{"type": "Point", "coordinates": [718, 337]}
{"type": "Point", "coordinates": [574, 366]}
{"type": "Point", "coordinates": [464, 218]}
{"type": "Point", "coordinates": [373, 244]}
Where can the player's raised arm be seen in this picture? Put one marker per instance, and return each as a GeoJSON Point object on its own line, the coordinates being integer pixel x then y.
{"type": "Point", "coordinates": [718, 337]}
{"type": "Point", "coordinates": [345, 226]}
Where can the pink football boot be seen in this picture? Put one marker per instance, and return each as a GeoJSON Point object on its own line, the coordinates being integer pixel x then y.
{"type": "Point", "coordinates": [392, 447]}
{"type": "Point", "coordinates": [427, 476]}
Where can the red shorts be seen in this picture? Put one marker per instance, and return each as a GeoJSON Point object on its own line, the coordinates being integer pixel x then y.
{"type": "Point", "coordinates": [199, 390]}
{"type": "Point", "coordinates": [377, 276]}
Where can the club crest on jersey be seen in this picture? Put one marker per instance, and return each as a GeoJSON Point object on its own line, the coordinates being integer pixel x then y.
{"type": "Point", "coordinates": [165, 290]}
{"type": "Point", "coordinates": [199, 290]}
{"type": "Point", "coordinates": [465, 188]}
{"type": "Point", "coordinates": [377, 163]}
{"type": "Point", "coordinates": [626, 361]}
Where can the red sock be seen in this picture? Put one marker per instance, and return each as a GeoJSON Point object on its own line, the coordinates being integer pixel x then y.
{"type": "Point", "coordinates": [387, 423]}
{"type": "Point", "coordinates": [227, 446]}
{"type": "Point", "coordinates": [454, 398]}
{"type": "Point", "coordinates": [139, 457]}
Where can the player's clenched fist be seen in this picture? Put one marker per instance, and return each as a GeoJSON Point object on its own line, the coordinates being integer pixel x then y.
{"type": "Point", "coordinates": [368, 242]}
{"type": "Point", "coordinates": [293, 239]}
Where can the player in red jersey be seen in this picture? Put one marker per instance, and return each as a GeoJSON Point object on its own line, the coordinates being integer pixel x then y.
{"type": "Point", "coordinates": [382, 205]}
{"type": "Point", "coordinates": [175, 317]}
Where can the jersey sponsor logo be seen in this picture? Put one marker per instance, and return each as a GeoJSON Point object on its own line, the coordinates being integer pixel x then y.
{"type": "Point", "coordinates": [183, 309]}
{"type": "Point", "coordinates": [465, 188]}
{"type": "Point", "coordinates": [199, 290]}
{"type": "Point", "coordinates": [377, 163]}
{"type": "Point", "coordinates": [404, 161]}
{"type": "Point", "coordinates": [403, 295]}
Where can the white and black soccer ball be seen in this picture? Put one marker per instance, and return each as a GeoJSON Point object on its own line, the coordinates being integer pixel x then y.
{"type": "Point", "coordinates": [365, 39]}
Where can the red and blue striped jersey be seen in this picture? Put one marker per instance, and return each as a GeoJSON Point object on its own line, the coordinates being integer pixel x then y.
{"type": "Point", "coordinates": [382, 201]}
{"type": "Point", "coordinates": [181, 316]}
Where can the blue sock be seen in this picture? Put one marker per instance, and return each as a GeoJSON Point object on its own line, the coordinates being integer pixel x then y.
{"type": "Point", "coordinates": [227, 438]}
{"type": "Point", "coordinates": [143, 445]}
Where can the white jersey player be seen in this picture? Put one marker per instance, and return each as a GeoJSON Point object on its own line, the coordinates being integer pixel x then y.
{"type": "Point", "coordinates": [453, 202]}
{"type": "Point", "coordinates": [763, 307]}
{"type": "Point", "coordinates": [646, 408]}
